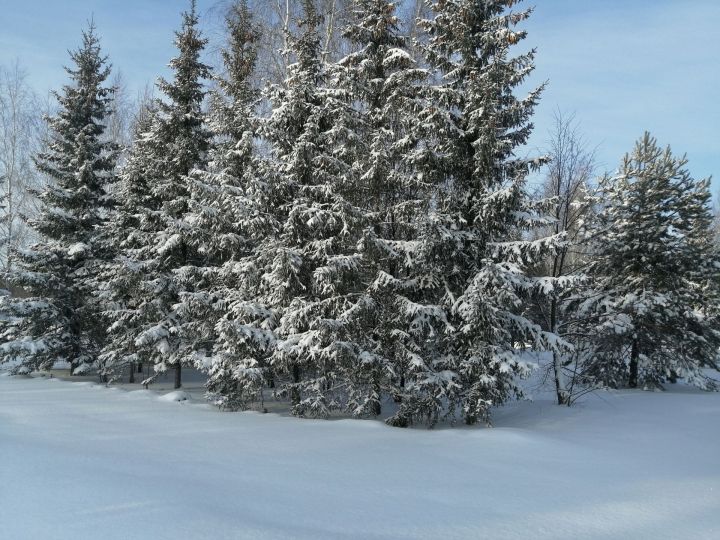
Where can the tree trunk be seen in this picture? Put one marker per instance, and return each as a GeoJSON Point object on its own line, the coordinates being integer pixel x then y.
{"type": "Point", "coordinates": [397, 398]}
{"type": "Point", "coordinates": [634, 355]}
{"type": "Point", "coordinates": [560, 384]}
{"type": "Point", "coordinates": [132, 373]}
{"type": "Point", "coordinates": [295, 394]}
{"type": "Point", "coordinates": [178, 376]}
{"type": "Point", "coordinates": [560, 388]}
{"type": "Point", "coordinates": [376, 406]}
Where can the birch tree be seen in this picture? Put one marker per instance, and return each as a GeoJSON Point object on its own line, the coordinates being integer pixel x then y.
{"type": "Point", "coordinates": [19, 138]}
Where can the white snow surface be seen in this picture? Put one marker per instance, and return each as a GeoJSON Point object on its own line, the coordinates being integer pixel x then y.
{"type": "Point", "coordinates": [80, 461]}
{"type": "Point", "coordinates": [177, 395]}
{"type": "Point", "coordinates": [78, 248]}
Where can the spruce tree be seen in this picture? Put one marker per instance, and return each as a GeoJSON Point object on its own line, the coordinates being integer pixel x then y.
{"type": "Point", "coordinates": [308, 269]}
{"type": "Point", "coordinates": [60, 319]}
{"type": "Point", "coordinates": [652, 307]}
{"type": "Point", "coordinates": [383, 82]}
{"type": "Point", "coordinates": [161, 246]}
{"type": "Point", "coordinates": [229, 207]}
{"type": "Point", "coordinates": [127, 230]}
{"type": "Point", "coordinates": [465, 314]}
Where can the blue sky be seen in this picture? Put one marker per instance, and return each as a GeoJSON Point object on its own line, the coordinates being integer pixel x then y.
{"type": "Point", "coordinates": [622, 66]}
{"type": "Point", "coordinates": [625, 66]}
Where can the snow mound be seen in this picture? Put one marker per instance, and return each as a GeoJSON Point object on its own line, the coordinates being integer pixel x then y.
{"type": "Point", "coordinates": [178, 395]}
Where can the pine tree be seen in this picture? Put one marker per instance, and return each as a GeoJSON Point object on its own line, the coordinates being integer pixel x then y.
{"type": "Point", "coordinates": [652, 307]}
{"type": "Point", "coordinates": [464, 309]}
{"type": "Point", "coordinates": [309, 268]}
{"type": "Point", "coordinates": [229, 208]}
{"type": "Point", "coordinates": [127, 230]}
{"type": "Point", "coordinates": [383, 82]}
{"type": "Point", "coordinates": [161, 246]}
{"type": "Point", "coordinates": [60, 319]}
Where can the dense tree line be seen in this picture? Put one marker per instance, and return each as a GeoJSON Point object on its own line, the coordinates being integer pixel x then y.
{"type": "Point", "coordinates": [357, 234]}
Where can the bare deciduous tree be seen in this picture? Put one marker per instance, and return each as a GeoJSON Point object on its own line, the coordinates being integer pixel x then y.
{"type": "Point", "coordinates": [19, 135]}
{"type": "Point", "coordinates": [567, 186]}
{"type": "Point", "coordinates": [416, 10]}
{"type": "Point", "coordinates": [122, 110]}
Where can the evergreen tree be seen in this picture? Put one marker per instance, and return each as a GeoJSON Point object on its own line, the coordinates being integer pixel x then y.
{"type": "Point", "coordinates": [60, 320]}
{"type": "Point", "coordinates": [161, 245]}
{"type": "Point", "coordinates": [229, 206]}
{"type": "Point", "coordinates": [127, 230]}
{"type": "Point", "coordinates": [383, 82]}
{"type": "Point", "coordinates": [309, 269]}
{"type": "Point", "coordinates": [655, 269]}
{"type": "Point", "coordinates": [464, 309]}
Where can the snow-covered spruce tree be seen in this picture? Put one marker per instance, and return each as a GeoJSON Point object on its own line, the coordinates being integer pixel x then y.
{"type": "Point", "coordinates": [465, 311]}
{"type": "Point", "coordinates": [652, 308]}
{"type": "Point", "coordinates": [128, 228]}
{"type": "Point", "coordinates": [309, 269]}
{"type": "Point", "coordinates": [383, 82]}
{"type": "Point", "coordinates": [60, 319]}
{"type": "Point", "coordinates": [161, 246]}
{"type": "Point", "coordinates": [220, 317]}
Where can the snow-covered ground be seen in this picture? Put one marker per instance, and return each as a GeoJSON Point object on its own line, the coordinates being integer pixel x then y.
{"type": "Point", "coordinates": [81, 461]}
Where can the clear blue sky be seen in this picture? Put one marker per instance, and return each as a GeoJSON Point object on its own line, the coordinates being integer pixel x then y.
{"type": "Point", "coordinates": [623, 66]}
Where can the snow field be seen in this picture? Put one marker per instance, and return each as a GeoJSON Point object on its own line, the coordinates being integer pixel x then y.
{"type": "Point", "coordinates": [80, 461]}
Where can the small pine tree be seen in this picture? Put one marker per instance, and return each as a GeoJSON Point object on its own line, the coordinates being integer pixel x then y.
{"type": "Point", "coordinates": [652, 305]}
{"type": "Point", "coordinates": [59, 320]}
